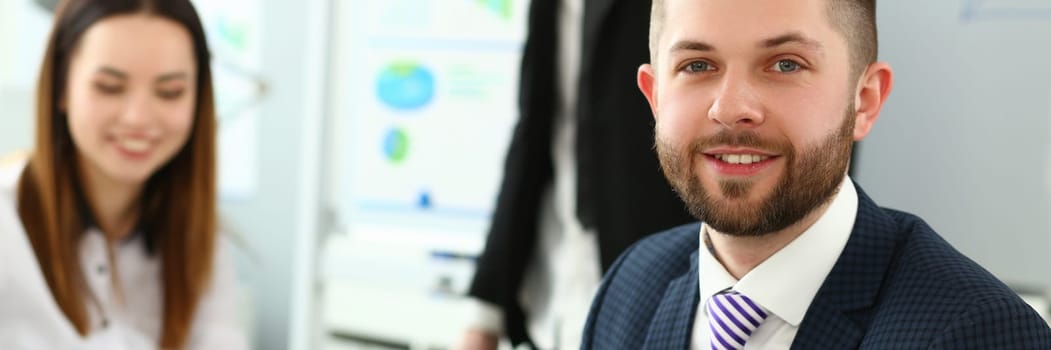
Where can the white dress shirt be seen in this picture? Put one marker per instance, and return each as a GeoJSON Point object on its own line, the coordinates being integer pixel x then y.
{"type": "Point", "coordinates": [565, 272]}
{"type": "Point", "coordinates": [786, 283]}
{"type": "Point", "coordinates": [126, 319]}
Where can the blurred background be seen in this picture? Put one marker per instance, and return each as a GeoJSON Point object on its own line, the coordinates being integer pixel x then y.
{"type": "Point", "coordinates": [362, 144]}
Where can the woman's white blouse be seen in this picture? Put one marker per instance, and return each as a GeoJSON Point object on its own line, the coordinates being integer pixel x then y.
{"type": "Point", "coordinates": [128, 319]}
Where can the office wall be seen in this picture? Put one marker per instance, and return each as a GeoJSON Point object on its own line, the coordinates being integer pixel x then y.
{"type": "Point", "coordinates": [16, 122]}
{"type": "Point", "coordinates": [278, 222]}
{"type": "Point", "coordinates": [23, 29]}
{"type": "Point", "coordinates": [964, 139]}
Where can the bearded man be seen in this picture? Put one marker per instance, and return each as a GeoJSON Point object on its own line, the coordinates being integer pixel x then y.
{"type": "Point", "coordinates": [757, 104]}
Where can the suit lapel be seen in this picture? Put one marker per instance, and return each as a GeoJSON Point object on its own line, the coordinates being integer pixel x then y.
{"type": "Point", "coordinates": [838, 317]}
{"type": "Point", "coordinates": [672, 323]}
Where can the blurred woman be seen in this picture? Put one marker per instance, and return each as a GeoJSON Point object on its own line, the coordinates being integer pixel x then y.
{"type": "Point", "coordinates": [108, 232]}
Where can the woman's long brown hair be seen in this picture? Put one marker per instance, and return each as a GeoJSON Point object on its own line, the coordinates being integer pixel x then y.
{"type": "Point", "coordinates": [178, 218]}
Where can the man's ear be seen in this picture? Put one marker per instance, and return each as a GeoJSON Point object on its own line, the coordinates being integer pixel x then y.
{"type": "Point", "coordinates": [647, 81]}
{"type": "Point", "coordinates": [872, 92]}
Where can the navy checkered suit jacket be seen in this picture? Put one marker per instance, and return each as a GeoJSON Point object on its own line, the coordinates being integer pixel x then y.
{"type": "Point", "coordinates": [897, 285]}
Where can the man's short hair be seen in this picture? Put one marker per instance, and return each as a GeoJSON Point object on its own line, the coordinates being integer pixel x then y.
{"type": "Point", "coordinates": [855, 19]}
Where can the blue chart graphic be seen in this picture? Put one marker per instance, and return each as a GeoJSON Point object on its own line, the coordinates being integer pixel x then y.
{"type": "Point", "coordinates": [405, 86]}
{"type": "Point", "coordinates": [501, 8]}
{"type": "Point", "coordinates": [982, 10]}
{"type": "Point", "coordinates": [424, 201]}
{"type": "Point", "coordinates": [396, 145]}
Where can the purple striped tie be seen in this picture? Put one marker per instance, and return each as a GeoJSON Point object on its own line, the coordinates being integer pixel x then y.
{"type": "Point", "coordinates": [733, 318]}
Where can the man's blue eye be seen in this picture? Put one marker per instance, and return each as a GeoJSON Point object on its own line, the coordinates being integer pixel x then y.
{"type": "Point", "coordinates": [786, 66]}
{"type": "Point", "coordinates": [699, 66]}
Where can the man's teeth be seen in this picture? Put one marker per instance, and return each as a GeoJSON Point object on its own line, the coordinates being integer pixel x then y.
{"type": "Point", "coordinates": [741, 158]}
{"type": "Point", "coordinates": [134, 145]}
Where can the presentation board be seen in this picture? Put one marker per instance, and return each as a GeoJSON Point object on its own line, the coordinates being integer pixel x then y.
{"type": "Point", "coordinates": [423, 103]}
{"type": "Point", "coordinates": [428, 102]}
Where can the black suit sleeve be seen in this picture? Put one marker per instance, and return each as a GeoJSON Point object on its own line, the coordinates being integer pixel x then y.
{"type": "Point", "coordinates": [527, 170]}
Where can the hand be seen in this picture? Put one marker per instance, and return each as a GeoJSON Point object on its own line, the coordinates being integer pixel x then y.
{"type": "Point", "coordinates": [475, 339]}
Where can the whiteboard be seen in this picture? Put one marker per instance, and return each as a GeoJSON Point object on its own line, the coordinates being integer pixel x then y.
{"type": "Point", "coordinates": [964, 141]}
{"type": "Point", "coordinates": [423, 100]}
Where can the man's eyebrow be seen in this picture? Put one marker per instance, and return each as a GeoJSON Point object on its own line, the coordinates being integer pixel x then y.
{"type": "Point", "coordinates": [791, 38]}
{"type": "Point", "coordinates": [784, 39]}
{"type": "Point", "coordinates": [691, 45]}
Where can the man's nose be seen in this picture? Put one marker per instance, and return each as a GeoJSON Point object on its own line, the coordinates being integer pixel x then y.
{"type": "Point", "coordinates": [737, 105]}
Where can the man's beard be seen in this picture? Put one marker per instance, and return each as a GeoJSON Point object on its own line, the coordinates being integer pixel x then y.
{"type": "Point", "coordinates": [810, 180]}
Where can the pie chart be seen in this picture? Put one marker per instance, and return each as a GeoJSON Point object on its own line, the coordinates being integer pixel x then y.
{"type": "Point", "coordinates": [405, 86]}
{"type": "Point", "coordinates": [395, 145]}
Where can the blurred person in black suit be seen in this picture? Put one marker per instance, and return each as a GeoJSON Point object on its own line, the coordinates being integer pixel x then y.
{"type": "Point", "coordinates": [581, 181]}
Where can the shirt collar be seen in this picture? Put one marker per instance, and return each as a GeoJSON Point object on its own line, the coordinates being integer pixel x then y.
{"type": "Point", "coordinates": [786, 283]}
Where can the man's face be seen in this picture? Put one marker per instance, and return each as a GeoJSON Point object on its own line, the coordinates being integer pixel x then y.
{"type": "Point", "coordinates": [755, 109]}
